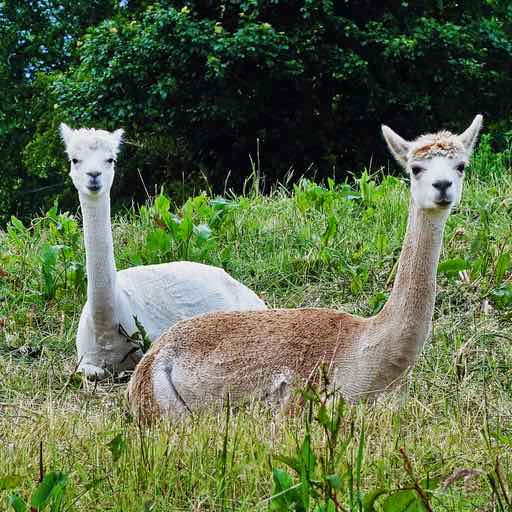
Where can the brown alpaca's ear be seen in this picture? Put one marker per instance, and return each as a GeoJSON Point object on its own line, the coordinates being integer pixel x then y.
{"type": "Point", "coordinates": [399, 147]}
{"type": "Point", "coordinates": [470, 136]}
{"type": "Point", "coordinates": [66, 133]}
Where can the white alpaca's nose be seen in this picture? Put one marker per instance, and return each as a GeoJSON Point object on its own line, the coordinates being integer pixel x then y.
{"type": "Point", "coordinates": [442, 185]}
{"type": "Point", "coordinates": [94, 184]}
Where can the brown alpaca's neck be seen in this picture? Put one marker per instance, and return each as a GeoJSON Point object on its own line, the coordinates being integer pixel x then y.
{"type": "Point", "coordinates": [414, 289]}
{"type": "Point", "coordinates": [407, 315]}
{"type": "Point", "coordinates": [390, 342]}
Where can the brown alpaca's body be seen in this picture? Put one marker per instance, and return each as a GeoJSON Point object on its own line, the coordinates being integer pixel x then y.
{"type": "Point", "coordinates": [261, 354]}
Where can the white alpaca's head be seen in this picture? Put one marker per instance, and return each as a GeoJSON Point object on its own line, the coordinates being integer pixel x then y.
{"type": "Point", "coordinates": [92, 155]}
{"type": "Point", "coordinates": [435, 163]}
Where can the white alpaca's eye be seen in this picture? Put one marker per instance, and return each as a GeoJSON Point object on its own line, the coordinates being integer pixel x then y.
{"type": "Point", "coordinates": [110, 161]}
{"type": "Point", "coordinates": [461, 167]}
{"type": "Point", "coordinates": [74, 160]}
{"type": "Point", "coordinates": [417, 170]}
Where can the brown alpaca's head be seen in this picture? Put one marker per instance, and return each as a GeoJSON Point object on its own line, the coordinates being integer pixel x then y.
{"type": "Point", "coordinates": [435, 163]}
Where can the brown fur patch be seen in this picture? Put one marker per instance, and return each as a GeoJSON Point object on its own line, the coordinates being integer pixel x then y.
{"type": "Point", "coordinates": [442, 143]}
{"type": "Point", "coordinates": [296, 338]}
{"type": "Point", "coordinates": [141, 396]}
{"type": "Point", "coordinates": [435, 147]}
{"type": "Point", "coordinates": [244, 354]}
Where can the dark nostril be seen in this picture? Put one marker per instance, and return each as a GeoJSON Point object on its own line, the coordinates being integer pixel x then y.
{"type": "Point", "coordinates": [442, 185]}
{"type": "Point", "coordinates": [93, 174]}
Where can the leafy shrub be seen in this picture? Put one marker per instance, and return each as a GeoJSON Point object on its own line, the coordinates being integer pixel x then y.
{"type": "Point", "coordinates": [198, 83]}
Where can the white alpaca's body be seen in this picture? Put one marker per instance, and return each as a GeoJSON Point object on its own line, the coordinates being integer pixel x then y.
{"type": "Point", "coordinates": [158, 295]}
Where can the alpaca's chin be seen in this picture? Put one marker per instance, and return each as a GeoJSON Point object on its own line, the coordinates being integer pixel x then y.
{"type": "Point", "coordinates": [94, 192]}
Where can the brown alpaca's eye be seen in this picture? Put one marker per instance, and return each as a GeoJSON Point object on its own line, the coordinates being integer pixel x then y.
{"type": "Point", "coordinates": [461, 167]}
{"type": "Point", "coordinates": [417, 170]}
{"type": "Point", "coordinates": [110, 161]}
{"type": "Point", "coordinates": [74, 160]}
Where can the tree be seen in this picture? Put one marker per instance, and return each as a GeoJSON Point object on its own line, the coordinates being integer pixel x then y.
{"type": "Point", "coordinates": [36, 39]}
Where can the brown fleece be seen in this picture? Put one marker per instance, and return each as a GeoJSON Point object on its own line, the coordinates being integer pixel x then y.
{"type": "Point", "coordinates": [140, 395]}
{"type": "Point", "coordinates": [243, 353]}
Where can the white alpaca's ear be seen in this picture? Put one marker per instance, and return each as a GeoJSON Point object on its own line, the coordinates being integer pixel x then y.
{"type": "Point", "coordinates": [66, 133]}
{"type": "Point", "coordinates": [117, 138]}
{"type": "Point", "coordinates": [399, 147]}
{"type": "Point", "coordinates": [470, 136]}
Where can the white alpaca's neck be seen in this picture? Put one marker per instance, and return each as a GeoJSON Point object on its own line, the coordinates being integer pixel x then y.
{"type": "Point", "coordinates": [407, 314]}
{"type": "Point", "coordinates": [101, 267]}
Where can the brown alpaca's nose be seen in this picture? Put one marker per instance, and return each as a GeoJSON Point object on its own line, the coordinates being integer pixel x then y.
{"type": "Point", "coordinates": [442, 185]}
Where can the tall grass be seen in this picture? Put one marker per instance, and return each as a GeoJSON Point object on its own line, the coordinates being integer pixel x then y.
{"type": "Point", "coordinates": [447, 448]}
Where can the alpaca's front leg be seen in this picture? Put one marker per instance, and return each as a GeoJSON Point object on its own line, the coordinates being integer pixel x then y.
{"type": "Point", "coordinates": [90, 363]}
{"type": "Point", "coordinates": [92, 372]}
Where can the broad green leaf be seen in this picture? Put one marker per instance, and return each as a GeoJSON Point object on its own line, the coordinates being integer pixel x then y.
{"type": "Point", "coordinates": [453, 266]}
{"type": "Point", "coordinates": [307, 454]}
{"type": "Point", "coordinates": [377, 302]}
{"type": "Point", "coordinates": [221, 203]}
{"type": "Point", "coordinates": [330, 507]}
{"type": "Point", "coordinates": [382, 243]}
{"type": "Point", "coordinates": [162, 204]}
{"type": "Point", "coordinates": [502, 266]}
{"type": "Point", "coordinates": [17, 503]}
{"type": "Point", "coordinates": [323, 417]}
{"type": "Point", "coordinates": [185, 229]}
{"type": "Point", "coordinates": [430, 484]}
{"type": "Point", "coordinates": [203, 231]}
{"type": "Point", "coordinates": [291, 462]}
{"type": "Point", "coordinates": [282, 479]}
{"type": "Point", "coordinates": [349, 194]}
{"type": "Point", "coordinates": [502, 296]}
{"type": "Point", "coordinates": [17, 224]}
{"type": "Point", "coordinates": [370, 499]}
{"type": "Point", "coordinates": [49, 255]}
{"type": "Point", "coordinates": [334, 480]}
{"type": "Point", "coordinates": [403, 501]}
{"type": "Point", "coordinates": [330, 231]}
{"type": "Point", "coordinates": [309, 395]}
{"type": "Point", "coordinates": [284, 497]}
{"type": "Point", "coordinates": [158, 241]}
{"type": "Point", "coordinates": [172, 222]}
{"type": "Point", "coordinates": [117, 446]}
{"type": "Point", "coordinates": [53, 483]}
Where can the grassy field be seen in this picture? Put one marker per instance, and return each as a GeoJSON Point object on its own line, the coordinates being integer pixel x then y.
{"type": "Point", "coordinates": [447, 448]}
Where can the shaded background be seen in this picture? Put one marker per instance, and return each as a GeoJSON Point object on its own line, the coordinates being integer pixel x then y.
{"type": "Point", "coordinates": [196, 84]}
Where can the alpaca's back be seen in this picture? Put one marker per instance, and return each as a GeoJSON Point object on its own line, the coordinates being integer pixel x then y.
{"type": "Point", "coordinates": [162, 295]}
{"type": "Point", "coordinates": [256, 353]}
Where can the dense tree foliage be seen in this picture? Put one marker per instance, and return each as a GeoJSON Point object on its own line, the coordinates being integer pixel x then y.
{"type": "Point", "coordinates": [37, 38]}
{"type": "Point", "coordinates": [197, 83]}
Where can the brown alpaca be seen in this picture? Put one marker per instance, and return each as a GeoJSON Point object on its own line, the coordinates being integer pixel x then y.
{"type": "Point", "coordinates": [261, 353]}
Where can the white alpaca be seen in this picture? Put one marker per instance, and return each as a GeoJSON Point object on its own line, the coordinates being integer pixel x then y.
{"type": "Point", "coordinates": [261, 353]}
{"type": "Point", "coordinates": [158, 295]}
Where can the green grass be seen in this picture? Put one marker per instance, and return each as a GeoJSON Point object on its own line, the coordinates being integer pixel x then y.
{"type": "Point", "coordinates": [331, 247]}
